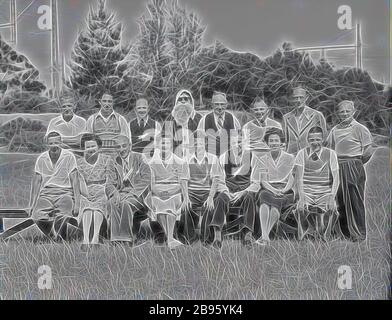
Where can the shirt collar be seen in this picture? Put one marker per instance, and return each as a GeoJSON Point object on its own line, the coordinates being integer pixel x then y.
{"type": "Point", "coordinates": [138, 119]}
{"type": "Point", "coordinates": [113, 114]}
{"type": "Point", "coordinates": [194, 158]}
{"type": "Point", "coordinates": [318, 153]}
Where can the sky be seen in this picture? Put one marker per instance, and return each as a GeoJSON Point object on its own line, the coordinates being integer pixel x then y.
{"type": "Point", "coordinates": [258, 26]}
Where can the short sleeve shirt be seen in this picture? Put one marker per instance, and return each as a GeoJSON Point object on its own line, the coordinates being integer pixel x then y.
{"type": "Point", "coordinates": [57, 175]}
{"type": "Point", "coordinates": [72, 128]}
{"type": "Point", "coordinates": [350, 141]}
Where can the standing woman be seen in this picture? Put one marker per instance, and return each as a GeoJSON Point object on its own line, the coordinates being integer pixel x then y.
{"type": "Point", "coordinates": [99, 179]}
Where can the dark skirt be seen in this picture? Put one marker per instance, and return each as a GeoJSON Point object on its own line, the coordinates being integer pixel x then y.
{"type": "Point", "coordinates": [279, 202]}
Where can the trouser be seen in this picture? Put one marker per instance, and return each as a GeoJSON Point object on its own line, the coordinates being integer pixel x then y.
{"type": "Point", "coordinates": [190, 219]}
{"type": "Point", "coordinates": [350, 199]}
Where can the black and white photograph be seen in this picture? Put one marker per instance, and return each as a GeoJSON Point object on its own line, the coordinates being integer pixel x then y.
{"type": "Point", "coordinates": [195, 150]}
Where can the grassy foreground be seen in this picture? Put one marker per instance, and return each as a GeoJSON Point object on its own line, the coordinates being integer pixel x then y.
{"type": "Point", "coordinates": [283, 270]}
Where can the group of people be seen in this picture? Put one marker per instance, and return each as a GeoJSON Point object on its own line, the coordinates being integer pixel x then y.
{"type": "Point", "coordinates": [183, 178]}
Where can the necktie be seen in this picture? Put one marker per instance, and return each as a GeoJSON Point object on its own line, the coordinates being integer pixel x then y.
{"type": "Point", "coordinates": [220, 122]}
{"type": "Point", "coordinates": [315, 156]}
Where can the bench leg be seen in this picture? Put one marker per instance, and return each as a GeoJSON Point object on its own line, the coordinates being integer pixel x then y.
{"type": "Point", "coordinates": [1, 225]}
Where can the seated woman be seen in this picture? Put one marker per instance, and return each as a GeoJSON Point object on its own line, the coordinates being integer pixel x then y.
{"type": "Point", "coordinates": [275, 175]}
{"type": "Point", "coordinates": [98, 180]}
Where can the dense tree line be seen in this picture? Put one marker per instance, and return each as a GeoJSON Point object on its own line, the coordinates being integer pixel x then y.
{"type": "Point", "coordinates": [169, 54]}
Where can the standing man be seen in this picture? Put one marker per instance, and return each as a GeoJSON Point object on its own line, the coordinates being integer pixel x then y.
{"type": "Point", "coordinates": [317, 179]}
{"type": "Point", "coordinates": [169, 186]}
{"type": "Point", "coordinates": [55, 193]}
{"type": "Point", "coordinates": [144, 130]}
{"type": "Point", "coordinates": [208, 195]}
{"type": "Point", "coordinates": [127, 203]}
{"type": "Point", "coordinates": [353, 144]}
{"type": "Point", "coordinates": [68, 124]}
{"type": "Point", "coordinates": [297, 123]}
{"type": "Point", "coordinates": [253, 143]}
{"type": "Point", "coordinates": [222, 129]}
{"type": "Point", "coordinates": [182, 123]}
{"type": "Point", "coordinates": [107, 123]}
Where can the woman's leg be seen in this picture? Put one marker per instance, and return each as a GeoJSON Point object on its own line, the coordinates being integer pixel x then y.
{"type": "Point", "coordinates": [264, 213]}
{"type": "Point", "coordinates": [87, 219]}
{"type": "Point", "coordinates": [98, 220]}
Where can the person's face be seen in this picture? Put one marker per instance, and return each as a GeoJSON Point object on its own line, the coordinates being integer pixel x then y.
{"type": "Point", "coordinates": [142, 108]}
{"type": "Point", "coordinates": [299, 99]}
{"type": "Point", "coordinates": [274, 142]}
{"type": "Point", "coordinates": [67, 110]}
{"type": "Point", "coordinates": [315, 141]}
{"type": "Point", "coordinates": [260, 110]}
{"type": "Point", "coordinates": [90, 148]}
{"type": "Point", "coordinates": [346, 112]}
{"type": "Point", "coordinates": [54, 143]}
{"type": "Point", "coordinates": [184, 99]}
{"type": "Point", "coordinates": [219, 107]}
{"type": "Point", "coordinates": [125, 149]}
{"type": "Point", "coordinates": [107, 103]}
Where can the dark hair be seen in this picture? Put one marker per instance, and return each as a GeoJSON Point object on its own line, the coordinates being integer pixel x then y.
{"type": "Point", "coordinates": [53, 134]}
{"type": "Point", "coordinates": [90, 137]}
{"type": "Point", "coordinates": [315, 129]}
{"type": "Point", "coordinates": [271, 131]}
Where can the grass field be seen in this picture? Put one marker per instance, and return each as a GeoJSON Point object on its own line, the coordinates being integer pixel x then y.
{"type": "Point", "coordinates": [283, 270]}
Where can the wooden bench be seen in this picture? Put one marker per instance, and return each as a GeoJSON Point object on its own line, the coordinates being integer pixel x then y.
{"type": "Point", "coordinates": [12, 214]}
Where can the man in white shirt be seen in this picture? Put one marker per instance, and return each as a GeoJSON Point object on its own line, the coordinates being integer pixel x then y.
{"type": "Point", "coordinates": [353, 144]}
{"type": "Point", "coordinates": [68, 124]}
{"type": "Point", "coordinates": [317, 180]}
{"type": "Point", "coordinates": [55, 192]}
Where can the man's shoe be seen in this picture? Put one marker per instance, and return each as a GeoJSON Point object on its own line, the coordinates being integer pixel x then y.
{"type": "Point", "coordinates": [217, 244]}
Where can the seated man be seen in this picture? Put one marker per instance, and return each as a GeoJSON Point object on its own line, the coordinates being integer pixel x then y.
{"type": "Point", "coordinates": [55, 193]}
{"type": "Point", "coordinates": [317, 180]}
{"type": "Point", "coordinates": [99, 177]}
{"type": "Point", "coordinates": [127, 203]}
{"type": "Point", "coordinates": [208, 195]}
{"type": "Point", "coordinates": [169, 188]}
{"type": "Point", "coordinates": [274, 172]}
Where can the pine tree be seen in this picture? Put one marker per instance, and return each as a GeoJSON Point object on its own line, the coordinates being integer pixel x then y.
{"type": "Point", "coordinates": [97, 60]}
{"type": "Point", "coordinates": [168, 42]}
{"type": "Point", "coordinates": [20, 87]}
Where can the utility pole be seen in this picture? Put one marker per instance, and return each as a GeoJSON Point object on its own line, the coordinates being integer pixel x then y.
{"type": "Point", "coordinates": [13, 26]}
{"type": "Point", "coordinates": [358, 46]}
{"type": "Point", "coordinates": [55, 48]}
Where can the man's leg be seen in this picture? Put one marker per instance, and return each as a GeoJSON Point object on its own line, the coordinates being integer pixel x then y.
{"type": "Point", "coordinates": [215, 219]}
{"type": "Point", "coordinates": [248, 210]}
{"type": "Point", "coordinates": [302, 221]}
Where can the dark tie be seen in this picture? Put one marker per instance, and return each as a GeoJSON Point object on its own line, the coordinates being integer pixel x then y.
{"type": "Point", "coordinates": [220, 122]}
{"type": "Point", "coordinates": [315, 156]}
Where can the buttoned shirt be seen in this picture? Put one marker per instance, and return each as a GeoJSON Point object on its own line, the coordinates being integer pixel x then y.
{"type": "Point", "coordinates": [296, 128]}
